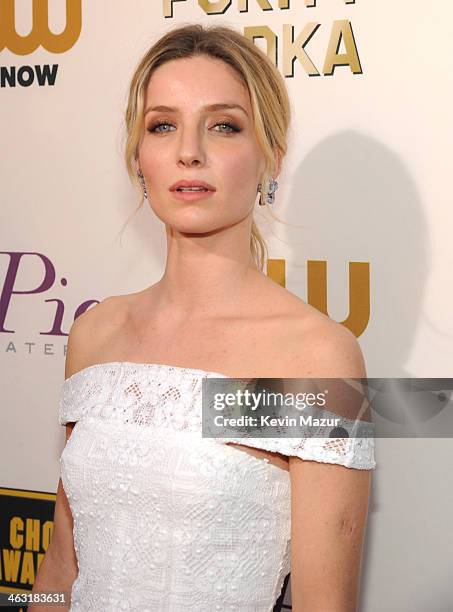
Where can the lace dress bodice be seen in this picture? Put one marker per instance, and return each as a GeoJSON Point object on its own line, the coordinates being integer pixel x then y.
{"type": "Point", "coordinates": [164, 519]}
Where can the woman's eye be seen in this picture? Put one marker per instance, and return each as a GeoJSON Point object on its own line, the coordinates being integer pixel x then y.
{"type": "Point", "coordinates": [153, 128]}
{"type": "Point", "coordinates": [231, 127]}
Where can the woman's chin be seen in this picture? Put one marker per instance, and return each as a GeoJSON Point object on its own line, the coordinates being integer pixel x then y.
{"type": "Point", "coordinates": [195, 228]}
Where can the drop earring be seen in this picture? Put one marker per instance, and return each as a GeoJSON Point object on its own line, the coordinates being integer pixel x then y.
{"type": "Point", "coordinates": [273, 185]}
{"type": "Point", "coordinates": [142, 181]}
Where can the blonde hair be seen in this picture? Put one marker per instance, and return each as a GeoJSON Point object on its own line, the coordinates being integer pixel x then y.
{"type": "Point", "coordinates": [268, 95]}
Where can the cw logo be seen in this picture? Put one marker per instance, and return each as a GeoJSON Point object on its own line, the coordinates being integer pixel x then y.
{"type": "Point", "coordinates": [40, 33]}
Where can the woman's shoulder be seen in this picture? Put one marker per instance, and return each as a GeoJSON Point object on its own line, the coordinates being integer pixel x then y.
{"type": "Point", "coordinates": [312, 342]}
{"type": "Point", "coordinates": [294, 313]}
{"type": "Point", "coordinates": [110, 311]}
{"type": "Point", "coordinates": [92, 331]}
{"type": "Point", "coordinates": [114, 310]}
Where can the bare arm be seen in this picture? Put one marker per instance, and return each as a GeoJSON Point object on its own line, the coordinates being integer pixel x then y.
{"type": "Point", "coordinates": [59, 568]}
{"type": "Point", "coordinates": [329, 506]}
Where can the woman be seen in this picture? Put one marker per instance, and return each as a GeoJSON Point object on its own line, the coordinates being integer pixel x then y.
{"type": "Point", "coordinates": [150, 515]}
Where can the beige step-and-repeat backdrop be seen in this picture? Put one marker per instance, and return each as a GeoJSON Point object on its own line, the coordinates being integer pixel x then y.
{"type": "Point", "coordinates": [367, 175]}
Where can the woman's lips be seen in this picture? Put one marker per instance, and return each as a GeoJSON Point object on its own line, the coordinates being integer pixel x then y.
{"type": "Point", "coordinates": [190, 196]}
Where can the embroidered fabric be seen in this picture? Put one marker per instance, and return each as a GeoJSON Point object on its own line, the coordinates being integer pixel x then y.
{"type": "Point", "coordinates": [164, 519]}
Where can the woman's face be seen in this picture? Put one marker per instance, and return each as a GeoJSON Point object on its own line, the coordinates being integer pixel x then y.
{"type": "Point", "coordinates": [192, 142]}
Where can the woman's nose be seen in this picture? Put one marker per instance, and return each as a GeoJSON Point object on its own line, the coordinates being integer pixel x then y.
{"type": "Point", "coordinates": [191, 147]}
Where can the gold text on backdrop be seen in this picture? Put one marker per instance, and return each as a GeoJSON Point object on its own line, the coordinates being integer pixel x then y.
{"type": "Point", "coordinates": [40, 33]}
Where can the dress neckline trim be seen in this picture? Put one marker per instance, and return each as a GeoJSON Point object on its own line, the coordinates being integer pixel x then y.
{"type": "Point", "coordinates": [153, 366]}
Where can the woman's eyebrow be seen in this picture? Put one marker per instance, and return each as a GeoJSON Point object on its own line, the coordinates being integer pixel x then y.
{"type": "Point", "coordinates": [208, 107]}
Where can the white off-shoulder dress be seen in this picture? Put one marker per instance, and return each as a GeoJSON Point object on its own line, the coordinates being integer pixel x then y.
{"type": "Point", "coordinates": [166, 520]}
